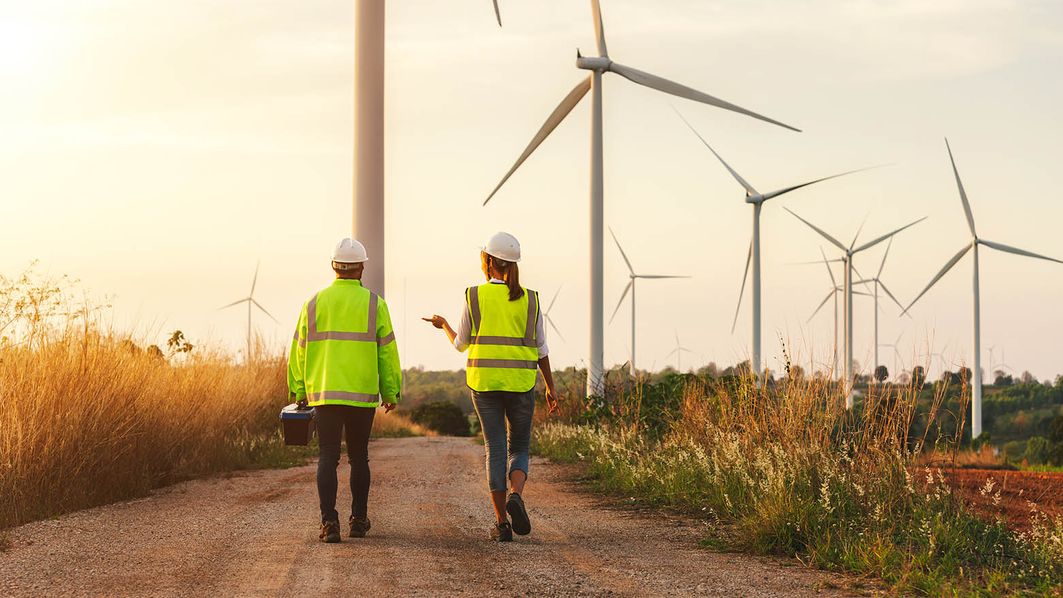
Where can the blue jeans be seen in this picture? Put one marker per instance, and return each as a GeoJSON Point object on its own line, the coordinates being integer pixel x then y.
{"type": "Point", "coordinates": [495, 409]}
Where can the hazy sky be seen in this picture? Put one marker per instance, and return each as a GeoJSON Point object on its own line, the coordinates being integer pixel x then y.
{"type": "Point", "coordinates": [157, 150]}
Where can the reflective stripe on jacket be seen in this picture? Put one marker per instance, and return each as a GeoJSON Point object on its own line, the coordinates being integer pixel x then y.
{"type": "Point", "coordinates": [344, 351]}
{"type": "Point", "coordinates": [503, 352]}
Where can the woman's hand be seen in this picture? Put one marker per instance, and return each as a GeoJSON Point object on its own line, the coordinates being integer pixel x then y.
{"type": "Point", "coordinates": [552, 401]}
{"type": "Point", "coordinates": [437, 321]}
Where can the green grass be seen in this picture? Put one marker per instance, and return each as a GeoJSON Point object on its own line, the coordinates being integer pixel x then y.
{"type": "Point", "coordinates": [825, 507]}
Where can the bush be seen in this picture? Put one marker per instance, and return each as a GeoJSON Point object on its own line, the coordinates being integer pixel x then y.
{"type": "Point", "coordinates": [442, 417]}
{"type": "Point", "coordinates": [1037, 450]}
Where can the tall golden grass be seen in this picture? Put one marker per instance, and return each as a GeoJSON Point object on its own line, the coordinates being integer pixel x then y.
{"type": "Point", "coordinates": [89, 417]}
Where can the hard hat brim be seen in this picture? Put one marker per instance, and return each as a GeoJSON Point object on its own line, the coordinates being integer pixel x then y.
{"type": "Point", "coordinates": [496, 256]}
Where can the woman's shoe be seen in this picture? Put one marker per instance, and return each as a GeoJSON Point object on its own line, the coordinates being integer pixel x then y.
{"type": "Point", "coordinates": [502, 532]}
{"type": "Point", "coordinates": [518, 514]}
{"type": "Point", "coordinates": [359, 526]}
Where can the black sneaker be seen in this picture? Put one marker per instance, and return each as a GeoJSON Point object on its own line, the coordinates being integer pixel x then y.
{"type": "Point", "coordinates": [501, 532]}
{"type": "Point", "coordinates": [330, 532]}
{"type": "Point", "coordinates": [518, 514]}
{"type": "Point", "coordinates": [359, 526]}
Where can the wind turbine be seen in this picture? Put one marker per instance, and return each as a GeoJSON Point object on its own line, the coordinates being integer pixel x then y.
{"type": "Point", "coordinates": [631, 287]}
{"type": "Point", "coordinates": [832, 294]}
{"type": "Point", "coordinates": [850, 251]}
{"type": "Point", "coordinates": [976, 398]}
{"type": "Point", "coordinates": [598, 66]}
{"type": "Point", "coordinates": [877, 282]}
{"type": "Point", "coordinates": [546, 314]}
{"type": "Point", "coordinates": [757, 200]}
{"type": "Point", "coordinates": [678, 352]}
{"type": "Point", "coordinates": [250, 300]}
{"type": "Point", "coordinates": [896, 352]}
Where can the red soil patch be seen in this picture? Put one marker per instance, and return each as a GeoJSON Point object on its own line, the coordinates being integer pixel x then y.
{"type": "Point", "coordinates": [1015, 489]}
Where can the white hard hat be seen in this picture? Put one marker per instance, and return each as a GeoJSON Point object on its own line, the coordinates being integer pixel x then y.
{"type": "Point", "coordinates": [349, 251]}
{"type": "Point", "coordinates": [503, 246]}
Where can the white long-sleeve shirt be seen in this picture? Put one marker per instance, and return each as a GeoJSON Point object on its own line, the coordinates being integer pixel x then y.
{"type": "Point", "coordinates": [464, 330]}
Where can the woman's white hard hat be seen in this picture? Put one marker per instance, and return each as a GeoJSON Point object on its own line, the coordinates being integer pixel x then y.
{"type": "Point", "coordinates": [503, 246]}
{"type": "Point", "coordinates": [349, 251]}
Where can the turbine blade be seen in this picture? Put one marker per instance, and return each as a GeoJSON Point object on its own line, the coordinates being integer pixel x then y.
{"type": "Point", "coordinates": [836, 242]}
{"type": "Point", "coordinates": [659, 276]}
{"type": "Point", "coordinates": [821, 304]}
{"type": "Point", "coordinates": [670, 87]}
{"type": "Point", "coordinates": [963, 194]}
{"type": "Point", "coordinates": [889, 294]}
{"type": "Point", "coordinates": [772, 194]}
{"type": "Point", "coordinates": [630, 268]}
{"type": "Point", "coordinates": [859, 230]}
{"type": "Point", "coordinates": [887, 236]}
{"type": "Point", "coordinates": [830, 271]}
{"type": "Point", "coordinates": [672, 353]}
{"type": "Point", "coordinates": [259, 305]}
{"type": "Point", "coordinates": [553, 327]}
{"type": "Point", "coordinates": [937, 277]}
{"type": "Point", "coordinates": [619, 303]}
{"type": "Point", "coordinates": [749, 188]}
{"type": "Point", "coordinates": [498, 15]}
{"type": "Point", "coordinates": [244, 300]}
{"type": "Point", "coordinates": [551, 306]}
{"type": "Point", "coordinates": [551, 123]}
{"type": "Point", "coordinates": [742, 289]}
{"type": "Point", "coordinates": [254, 280]}
{"type": "Point", "coordinates": [884, 256]}
{"type": "Point", "coordinates": [599, 28]}
{"type": "Point", "coordinates": [1017, 251]}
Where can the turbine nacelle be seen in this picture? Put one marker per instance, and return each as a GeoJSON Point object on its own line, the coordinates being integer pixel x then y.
{"type": "Point", "coordinates": [593, 63]}
{"type": "Point", "coordinates": [754, 198]}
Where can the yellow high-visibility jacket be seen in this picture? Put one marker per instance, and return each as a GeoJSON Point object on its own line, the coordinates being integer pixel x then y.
{"type": "Point", "coordinates": [503, 350]}
{"type": "Point", "coordinates": [344, 350]}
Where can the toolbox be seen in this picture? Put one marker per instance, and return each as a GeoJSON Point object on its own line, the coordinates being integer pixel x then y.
{"type": "Point", "coordinates": [298, 425]}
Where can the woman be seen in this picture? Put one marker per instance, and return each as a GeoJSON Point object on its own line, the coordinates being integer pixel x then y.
{"type": "Point", "coordinates": [502, 328]}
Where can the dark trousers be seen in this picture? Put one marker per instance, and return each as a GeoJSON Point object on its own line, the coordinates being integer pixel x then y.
{"type": "Point", "coordinates": [331, 422]}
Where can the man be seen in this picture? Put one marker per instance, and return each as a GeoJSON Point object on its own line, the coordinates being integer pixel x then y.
{"type": "Point", "coordinates": [344, 362]}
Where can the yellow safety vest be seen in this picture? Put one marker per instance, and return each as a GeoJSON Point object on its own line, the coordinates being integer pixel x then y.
{"type": "Point", "coordinates": [344, 350]}
{"type": "Point", "coordinates": [503, 350]}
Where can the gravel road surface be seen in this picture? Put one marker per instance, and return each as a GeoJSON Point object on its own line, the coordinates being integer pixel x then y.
{"type": "Point", "coordinates": [255, 534]}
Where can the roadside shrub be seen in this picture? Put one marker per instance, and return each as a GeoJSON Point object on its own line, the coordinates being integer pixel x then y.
{"type": "Point", "coordinates": [442, 417]}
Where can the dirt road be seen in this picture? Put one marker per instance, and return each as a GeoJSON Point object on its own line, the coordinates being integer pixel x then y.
{"type": "Point", "coordinates": [255, 534]}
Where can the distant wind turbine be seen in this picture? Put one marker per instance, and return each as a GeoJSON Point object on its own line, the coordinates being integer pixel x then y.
{"type": "Point", "coordinates": [250, 300]}
{"type": "Point", "coordinates": [598, 66]}
{"type": "Point", "coordinates": [757, 199]}
{"type": "Point", "coordinates": [832, 294]}
{"type": "Point", "coordinates": [678, 352]}
{"type": "Point", "coordinates": [631, 287]}
{"type": "Point", "coordinates": [976, 398]}
{"type": "Point", "coordinates": [849, 252]}
{"type": "Point", "coordinates": [546, 314]}
{"type": "Point", "coordinates": [877, 282]}
{"type": "Point", "coordinates": [895, 345]}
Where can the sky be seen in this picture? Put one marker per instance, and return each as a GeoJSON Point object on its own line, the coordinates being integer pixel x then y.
{"type": "Point", "coordinates": [158, 151]}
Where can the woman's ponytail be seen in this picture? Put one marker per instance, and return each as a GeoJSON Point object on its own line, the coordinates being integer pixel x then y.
{"type": "Point", "coordinates": [511, 276]}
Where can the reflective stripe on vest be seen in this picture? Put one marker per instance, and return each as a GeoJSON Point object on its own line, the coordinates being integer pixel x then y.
{"type": "Point", "coordinates": [504, 356]}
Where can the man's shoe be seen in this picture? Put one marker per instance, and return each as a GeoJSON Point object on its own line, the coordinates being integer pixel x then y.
{"type": "Point", "coordinates": [330, 532]}
{"type": "Point", "coordinates": [518, 514]}
{"type": "Point", "coordinates": [359, 526]}
{"type": "Point", "coordinates": [501, 532]}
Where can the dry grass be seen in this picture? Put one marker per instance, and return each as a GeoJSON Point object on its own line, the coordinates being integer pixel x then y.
{"type": "Point", "coordinates": [89, 417]}
{"type": "Point", "coordinates": [788, 470]}
{"type": "Point", "coordinates": [397, 425]}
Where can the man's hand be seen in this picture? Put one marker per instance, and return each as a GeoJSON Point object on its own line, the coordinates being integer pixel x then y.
{"type": "Point", "coordinates": [437, 321]}
{"type": "Point", "coordinates": [552, 401]}
{"type": "Point", "coordinates": [301, 403]}
{"type": "Point", "coordinates": [388, 407]}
